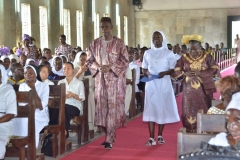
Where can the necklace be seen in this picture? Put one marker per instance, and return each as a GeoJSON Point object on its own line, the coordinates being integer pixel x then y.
{"type": "Point", "coordinates": [201, 53]}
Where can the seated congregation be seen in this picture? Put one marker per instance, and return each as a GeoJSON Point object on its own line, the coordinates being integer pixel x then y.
{"type": "Point", "coordinates": [62, 87]}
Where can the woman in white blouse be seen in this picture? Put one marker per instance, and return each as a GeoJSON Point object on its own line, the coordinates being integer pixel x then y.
{"type": "Point", "coordinates": [74, 95]}
{"type": "Point", "coordinates": [44, 73]}
{"type": "Point", "coordinates": [8, 109]}
{"type": "Point", "coordinates": [57, 65]}
{"type": "Point", "coordinates": [41, 113]}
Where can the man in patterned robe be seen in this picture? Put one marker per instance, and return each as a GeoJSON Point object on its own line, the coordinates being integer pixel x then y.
{"type": "Point", "coordinates": [107, 61]}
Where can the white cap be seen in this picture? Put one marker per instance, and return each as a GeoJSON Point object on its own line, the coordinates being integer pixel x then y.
{"type": "Point", "coordinates": [235, 102]}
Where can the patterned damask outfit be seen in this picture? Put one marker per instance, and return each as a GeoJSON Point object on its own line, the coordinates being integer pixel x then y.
{"type": "Point", "coordinates": [196, 89]}
{"type": "Point", "coordinates": [65, 49]}
{"type": "Point", "coordinates": [110, 87]}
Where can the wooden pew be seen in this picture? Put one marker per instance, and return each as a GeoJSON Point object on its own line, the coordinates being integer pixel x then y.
{"type": "Point", "coordinates": [132, 108]}
{"type": "Point", "coordinates": [211, 123]}
{"type": "Point", "coordinates": [18, 144]}
{"type": "Point", "coordinates": [58, 96]}
{"type": "Point", "coordinates": [187, 142]}
{"type": "Point", "coordinates": [83, 119]}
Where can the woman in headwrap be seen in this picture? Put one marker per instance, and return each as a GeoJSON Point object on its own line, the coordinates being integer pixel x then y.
{"type": "Point", "coordinates": [225, 146]}
{"type": "Point", "coordinates": [6, 63]}
{"type": "Point", "coordinates": [41, 113]}
{"type": "Point", "coordinates": [30, 61]}
{"type": "Point", "coordinates": [13, 58]}
{"type": "Point", "coordinates": [160, 105]}
{"type": "Point", "coordinates": [8, 109]}
{"type": "Point", "coordinates": [198, 69]}
{"type": "Point", "coordinates": [79, 65]}
{"type": "Point", "coordinates": [81, 72]}
{"type": "Point", "coordinates": [227, 86]}
{"type": "Point", "coordinates": [29, 50]}
{"type": "Point", "coordinates": [64, 58]}
{"type": "Point", "coordinates": [57, 64]}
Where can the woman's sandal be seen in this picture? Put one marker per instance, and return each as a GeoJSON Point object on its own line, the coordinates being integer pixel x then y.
{"type": "Point", "coordinates": [160, 140]}
{"type": "Point", "coordinates": [151, 142]}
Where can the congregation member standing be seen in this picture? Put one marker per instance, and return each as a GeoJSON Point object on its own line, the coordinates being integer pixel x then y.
{"type": "Point", "coordinates": [8, 109]}
{"type": "Point", "coordinates": [160, 106]}
{"type": "Point", "coordinates": [107, 61]}
{"type": "Point", "coordinates": [198, 69]}
{"type": "Point", "coordinates": [64, 48]}
{"type": "Point", "coordinates": [29, 50]}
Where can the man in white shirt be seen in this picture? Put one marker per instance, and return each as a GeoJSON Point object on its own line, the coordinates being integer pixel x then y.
{"type": "Point", "coordinates": [74, 95]}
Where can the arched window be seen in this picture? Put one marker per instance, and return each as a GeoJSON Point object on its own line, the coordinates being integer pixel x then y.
{"type": "Point", "coordinates": [66, 25]}
{"type": "Point", "coordinates": [126, 30]}
{"type": "Point", "coordinates": [96, 25]}
{"type": "Point", "coordinates": [26, 18]}
{"type": "Point", "coordinates": [43, 26]}
{"type": "Point", "coordinates": [79, 28]}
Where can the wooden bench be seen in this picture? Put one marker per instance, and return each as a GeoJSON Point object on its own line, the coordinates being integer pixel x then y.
{"type": "Point", "coordinates": [19, 144]}
{"type": "Point", "coordinates": [213, 123]}
{"type": "Point", "coordinates": [57, 95]}
{"type": "Point", "coordinates": [187, 142]}
{"type": "Point", "coordinates": [82, 121]}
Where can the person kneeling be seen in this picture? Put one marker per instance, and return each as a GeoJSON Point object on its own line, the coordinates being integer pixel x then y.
{"type": "Point", "coordinates": [74, 95]}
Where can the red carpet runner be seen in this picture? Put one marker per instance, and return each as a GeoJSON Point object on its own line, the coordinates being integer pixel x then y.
{"type": "Point", "coordinates": [130, 143]}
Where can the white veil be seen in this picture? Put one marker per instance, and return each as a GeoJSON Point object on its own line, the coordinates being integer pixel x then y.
{"type": "Point", "coordinates": [76, 60]}
{"type": "Point", "coordinates": [4, 74]}
{"type": "Point", "coordinates": [164, 42]}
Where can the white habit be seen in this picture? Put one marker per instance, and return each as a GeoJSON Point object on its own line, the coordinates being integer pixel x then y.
{"type": "Point", "coordinates": [8, 105]}
{"type": "Point", "coordinates": [41, 116]}
{"type": "Point", "coordinates": [160, 103]}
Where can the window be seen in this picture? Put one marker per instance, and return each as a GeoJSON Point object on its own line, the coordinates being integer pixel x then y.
{"type": "Point", "coordinates": [66, 25]}
{"type": "Point", "coordinates": [96, 26]}
{"type": "Point", "coordinates": [26, 18]}
{"type": "Point", "coordinates": [43, 26]}
{"type": "Point", "coordinates": [118, 21]}
{"type": "Point", "coordinates": [126, 30]}
{"type": "Point", "coordinates": [79, 28]}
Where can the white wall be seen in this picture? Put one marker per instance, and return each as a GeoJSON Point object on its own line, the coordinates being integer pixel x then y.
{"type": "Point", "coordinates": [188, 4]}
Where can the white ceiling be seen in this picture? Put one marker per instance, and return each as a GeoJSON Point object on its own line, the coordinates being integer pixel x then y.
{"type": "Point", "coordinates": [188, 4]}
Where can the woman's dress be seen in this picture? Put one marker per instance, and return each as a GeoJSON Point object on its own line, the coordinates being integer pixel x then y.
{"type": "Point", "coordinates": [195, 88]}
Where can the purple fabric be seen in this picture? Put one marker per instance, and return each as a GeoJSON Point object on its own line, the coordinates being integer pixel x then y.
{"type": "Point", "coordinates": [4, 51]}
{"type": "Point", "coordinates": [26, 37]}
{"type": "Point", "coordinates": [19, 52]}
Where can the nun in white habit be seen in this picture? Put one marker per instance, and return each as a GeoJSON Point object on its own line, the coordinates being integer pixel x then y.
{"type": "Point", "coordinates": [160, 104]}
{"type": "Point", "coordinates": [57, 65]}
{"type": "Point", "coordinates": [8, 109]}
{"type": "Point", "coordinates": [6, 63]}
{"type": "Point", "coordinates": [80, 71]}
{"type": "Point", "coordinates": [41, 115]}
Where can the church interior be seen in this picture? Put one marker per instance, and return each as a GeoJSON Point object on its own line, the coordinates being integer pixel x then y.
{"type": "Point", "coordinates": [203, 82]}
